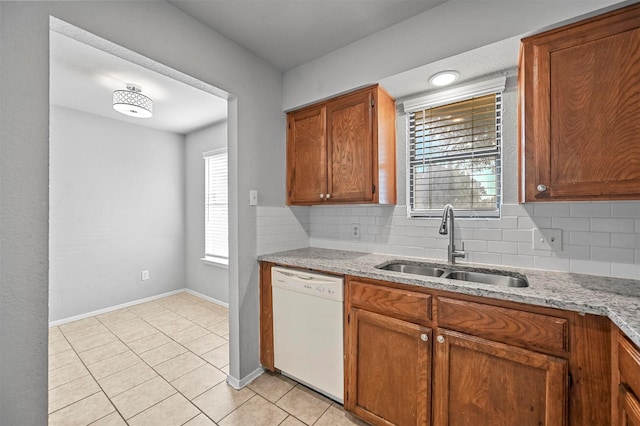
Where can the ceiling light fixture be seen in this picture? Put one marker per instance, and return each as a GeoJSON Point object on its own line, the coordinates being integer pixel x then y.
{"type": "Point", "coordinates": [444, 78]}
{"type": "Point", "coordinates": [132, 102]}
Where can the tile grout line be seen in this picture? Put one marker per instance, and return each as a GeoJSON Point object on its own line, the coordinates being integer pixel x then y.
{"type": "Point", "coordinates": [107, 326]}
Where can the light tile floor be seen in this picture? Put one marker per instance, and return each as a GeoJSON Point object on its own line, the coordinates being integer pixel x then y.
{"type": "Point", "coordinates": [165, 362]}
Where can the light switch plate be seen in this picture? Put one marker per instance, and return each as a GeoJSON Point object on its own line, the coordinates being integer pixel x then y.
{"type": "Point", "coordinates": [253, 197]}
{"type": "Point", "coordinates": [547, 239]}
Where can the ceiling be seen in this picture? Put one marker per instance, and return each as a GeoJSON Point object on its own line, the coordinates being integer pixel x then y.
{"type": "Point", "coordinates": [288, 33]}
{"type": "Point", "coordinates": [284, 33]}
{"type": "Point", "coordinates": [83, 78]}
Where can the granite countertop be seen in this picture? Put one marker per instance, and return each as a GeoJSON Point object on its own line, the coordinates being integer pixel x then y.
{"type": "Point", "coordinates": [616, 298]}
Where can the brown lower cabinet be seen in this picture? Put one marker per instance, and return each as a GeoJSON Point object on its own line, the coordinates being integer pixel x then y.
{"type": "Point", "coordinates": [480, 382]}
{"type": "Point", "coordinates": [628, 383]}
{"type": "Point", "coordinates": [417, 356]}
{"type": "Point", "coordinates": [391, 375]}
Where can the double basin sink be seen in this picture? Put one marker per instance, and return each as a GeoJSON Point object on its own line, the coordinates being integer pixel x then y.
{"type": "Point", "coordinates": [490, 277]}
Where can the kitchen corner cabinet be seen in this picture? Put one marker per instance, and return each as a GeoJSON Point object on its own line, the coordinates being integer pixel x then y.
{"type": "Point", "coordinates": [579, 110]}
{"type": "Point", "coordinates": [343, 150]}
{"type": "Point", "coordinates": [628, 385]}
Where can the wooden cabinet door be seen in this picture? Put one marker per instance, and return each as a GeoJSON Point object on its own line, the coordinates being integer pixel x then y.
{"type": "Point", "coordinates": [479, 382]}
{"type": "Point", "coordinates": [350, 147]}
{"type": "Point", "coordinates": [582, 110]}
{"type": "Point", "coordinates": [388, 370]}
{"type": "Point", "coordinates": [629, 407]}
{"type": "Point", "coordinates": [306, 156]}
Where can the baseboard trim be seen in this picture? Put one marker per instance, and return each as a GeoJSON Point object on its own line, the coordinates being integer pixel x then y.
{"type": "Point", "coordinates": [113, 308]}
{"type": "Point", "coordinates": [207, 298]}
{"type": "Point", "coordinates": [239, 384]}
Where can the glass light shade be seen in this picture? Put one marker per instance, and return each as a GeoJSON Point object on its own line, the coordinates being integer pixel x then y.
{"type": "Point", "coordinates": [444, 78]}
{"type": "Point", "coordinates": [132, 103]}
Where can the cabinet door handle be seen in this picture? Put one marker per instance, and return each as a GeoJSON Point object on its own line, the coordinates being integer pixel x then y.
{"type": "Point", "coordinates": [321, 196]}
{"type": "Point", "coordinates": [328, 196]}
{"type": "Point", "coordinates": [424, 337]}
{"type": "Point", "coordinates": [440, 339]}
{"type": "Point", "coordinates": [541, 188]}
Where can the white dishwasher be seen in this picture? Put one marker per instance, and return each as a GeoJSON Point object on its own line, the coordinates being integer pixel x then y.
{"type": "Point", "coordinates": [308, 329]}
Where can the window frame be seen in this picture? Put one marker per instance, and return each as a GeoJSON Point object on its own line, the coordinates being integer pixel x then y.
{"type": "Point", "coordinates": [219, 258]}
{"type": "Point", "coordinates": [446, 97]}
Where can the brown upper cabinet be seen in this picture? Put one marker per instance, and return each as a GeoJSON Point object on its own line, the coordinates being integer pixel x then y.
{"type": "Point", "coordinates": [343, 150]}
{"type": "Point", "coordinates": [579, 112]}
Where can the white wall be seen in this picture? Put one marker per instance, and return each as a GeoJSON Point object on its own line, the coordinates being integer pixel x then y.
{"type": "Point", "coordinates": [116, 208]}
{"type": "Point", "coordinates": [210, 280]}
{"type": "Point", "coordinates": [448, 29]}
{"type": "Point", "coordinates": [162, 33]}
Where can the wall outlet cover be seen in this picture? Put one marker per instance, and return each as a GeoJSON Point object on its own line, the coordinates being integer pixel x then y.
{"type": "Point", "coordinates": [253, 197]}
{"type": "Point", "coordinates": [355, 231]}
{"type": "Point", "coordinates": [547, 239]}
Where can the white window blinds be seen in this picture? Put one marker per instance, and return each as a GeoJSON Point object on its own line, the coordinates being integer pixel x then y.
{"type": "Point", "coordinates": [454, 156]}
{"type": "Point", "coordinates": [216, 206]}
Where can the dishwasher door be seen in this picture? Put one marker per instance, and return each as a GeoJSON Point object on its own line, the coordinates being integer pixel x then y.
{"type": "Point", "coordinates": [308, 329]}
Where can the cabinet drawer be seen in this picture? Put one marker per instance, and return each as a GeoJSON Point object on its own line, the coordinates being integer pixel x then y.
{"type": "Point", "coordinates": [402, 304]}
{"type": "Point", "coordinates": [525, 329]}
{"type": "Point", "coordinates": [629, 364]}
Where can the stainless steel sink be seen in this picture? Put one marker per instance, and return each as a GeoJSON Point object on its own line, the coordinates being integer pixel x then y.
{"type": "Point", "coordinates": [485, 278]}
{"type": "Point", "coordinates": [409, 268]}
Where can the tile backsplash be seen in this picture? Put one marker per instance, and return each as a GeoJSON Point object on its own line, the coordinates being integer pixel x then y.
{"type": "Point", "coordinates": [598, 238]}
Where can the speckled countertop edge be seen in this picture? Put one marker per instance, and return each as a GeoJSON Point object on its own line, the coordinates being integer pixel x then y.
{"type": "Point", "coordinates": [616, 298]}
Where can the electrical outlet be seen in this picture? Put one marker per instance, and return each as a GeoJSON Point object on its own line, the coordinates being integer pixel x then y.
{"type": "Point", "coordinates": [144, 275]}
{"type": "Point", "coordinates": [253, 197]}
{"type": "Point", "coordinates": [547, 239]}
{"type": "Point", "coordinates": [355, 230]}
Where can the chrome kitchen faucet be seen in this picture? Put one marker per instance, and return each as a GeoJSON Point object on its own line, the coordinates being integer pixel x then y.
{"type": "Point", "coordinates": [451, 250]}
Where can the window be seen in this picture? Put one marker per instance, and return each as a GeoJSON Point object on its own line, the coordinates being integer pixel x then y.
{"type": "Point", "coordinates": [216, 206]}
{"type": "Point", "coordinates": [454, 151]}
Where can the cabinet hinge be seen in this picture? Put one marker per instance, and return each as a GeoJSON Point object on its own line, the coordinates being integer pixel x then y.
{"type": "Point", "coordinates": [348, 318]}
{"type": "Point", "coordinates": [347, 396]}
{"type": "Point", "coordinates": [373, 188]}
{"type": "Point", "coordinates": [570, 381]}
{"type": "Point", "coordinates": [373, 103]}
